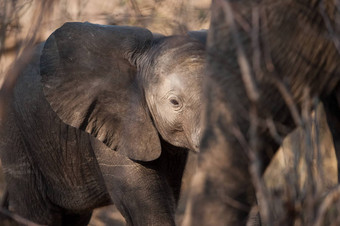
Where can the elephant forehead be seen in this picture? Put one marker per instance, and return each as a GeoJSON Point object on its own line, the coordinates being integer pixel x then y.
{"type": "Point", "coordinates": [173, 82]}
{"type": "Point", "coordinates": [180, 83]}
{"type": "Point", "coordinates": [182, 65]}
{"type": "Point", "coordinates": [185, 53]}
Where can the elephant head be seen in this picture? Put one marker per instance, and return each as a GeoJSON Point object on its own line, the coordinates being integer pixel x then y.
{"type": "Point", "coordinates": [124, 86]}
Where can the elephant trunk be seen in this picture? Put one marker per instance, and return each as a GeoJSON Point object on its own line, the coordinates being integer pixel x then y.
{"type": "Point", "coordinates": [196, 138]}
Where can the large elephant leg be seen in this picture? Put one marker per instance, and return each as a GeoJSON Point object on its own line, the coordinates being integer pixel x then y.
{"type": "Point", "coordinates": [222, 192]}
{"type": "Point", "coordinates": [332, 108]}
{"type": "Point", "coordinates": [140, 191]}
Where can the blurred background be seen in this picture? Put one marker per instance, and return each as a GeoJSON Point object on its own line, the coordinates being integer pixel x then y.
{"type": "Point", "coordinates": [23, 23]}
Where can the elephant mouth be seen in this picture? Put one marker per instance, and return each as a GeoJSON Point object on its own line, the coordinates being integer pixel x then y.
{"type": "Point", "coordinates": [195, 148]}
{"type": "Point", "coordinates": [194, 145]}
{"type": "Point", "coordinates": [194, 141]}
{"type": "Point", "coordinates": [196, 151]}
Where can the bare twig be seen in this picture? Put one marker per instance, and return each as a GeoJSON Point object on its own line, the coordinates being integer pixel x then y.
{"type": "Point", "coordinates": [26, 53]}
{"type": "Point", "coordinates": [18, 218]}
{"type": "Point", "coordinates": [246, 72]}
{"type": "Point", "coordinates": [136, 8]}
{"type": "Point", "coordinates": [332, 197]}
{"type": "Point", "coordinates": [328, 24]}
{"type": "Point", "coordinates": [284, 91]}
{"type": "Point", "coordinates": [256, 42]}
{"type": "Point", "coordinates": [11, 78]}
{"type": "Point", "coordinates": [4, 202]}
{"type": "Point", "coordinates": [273, 131]}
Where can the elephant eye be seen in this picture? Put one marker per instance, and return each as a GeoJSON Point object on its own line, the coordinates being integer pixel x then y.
{"type": "Point", "coordinates": [176, 103]}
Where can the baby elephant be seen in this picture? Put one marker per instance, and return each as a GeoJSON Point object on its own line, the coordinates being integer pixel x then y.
{"type": "Point", "coordinates": [103, 114]}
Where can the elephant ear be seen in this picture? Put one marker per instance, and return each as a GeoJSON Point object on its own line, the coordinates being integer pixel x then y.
{"type": "Point", "coordinates": [90, 80]}
{"type": "Point", "coordinates": [200, 35]}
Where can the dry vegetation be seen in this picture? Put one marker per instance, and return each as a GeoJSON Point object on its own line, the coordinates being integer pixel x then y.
{"type": "Point", "coordinates": [24, 22]}
{"type": "Point", "coordinates": [292, 185]}
{"type": "Point", "coordinates": [300, 186]}
{"type": "Point", "coordinates": [301, 182]}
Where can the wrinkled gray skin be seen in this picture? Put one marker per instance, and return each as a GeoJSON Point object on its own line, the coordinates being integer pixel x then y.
{"type": "Point", "coordinates": [296, 42]}
{"type": "Point", "coordinates": [103, 114]}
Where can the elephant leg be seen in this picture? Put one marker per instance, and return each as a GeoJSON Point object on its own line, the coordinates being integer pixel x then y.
{"type": "Point", "coordinates": [26, 191]}
{"type": "Point", "coordinates": [172, 164]}
{"type": "Point", "coordinates": [4, 200]}
{"type": "Point", "coordinates": [331, 105]}
{"type": "Point", "coordinates": [140, 194]}
{"type": "Point", "coordinates": [224, 194]}
{"type": "Point", "coordinates": [76, 219]}
{"type": "Point", "coordinates": [139, 191]}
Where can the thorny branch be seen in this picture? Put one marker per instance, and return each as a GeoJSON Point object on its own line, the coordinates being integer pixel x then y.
{"type": "Point", "coordinates": [332, 197]}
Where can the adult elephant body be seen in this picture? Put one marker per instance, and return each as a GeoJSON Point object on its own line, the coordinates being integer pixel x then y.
{"type": "Point", "coordinates": [265, 60]}
{"type": "Point", "coordinates": [102, 114]}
